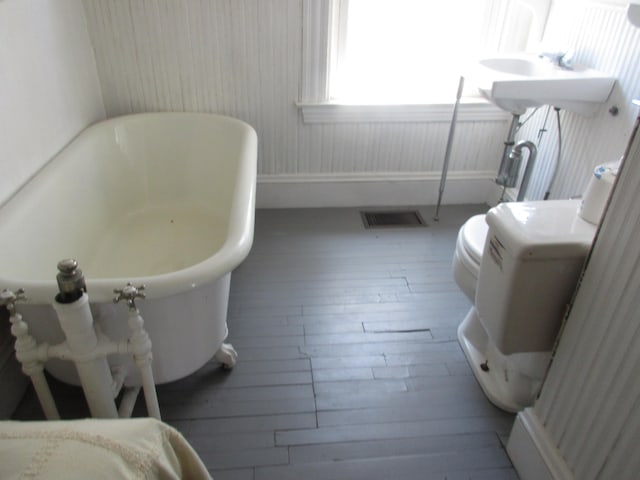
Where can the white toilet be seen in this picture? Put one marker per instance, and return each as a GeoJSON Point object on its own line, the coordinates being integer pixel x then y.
{"type": "Point", "coordinates": [469, 248]}
{"type": "Point", "coordinates": [519, 265]}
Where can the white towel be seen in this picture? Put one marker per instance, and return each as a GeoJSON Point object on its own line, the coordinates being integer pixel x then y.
{"type": "Point", "coordinates": [140, 448]}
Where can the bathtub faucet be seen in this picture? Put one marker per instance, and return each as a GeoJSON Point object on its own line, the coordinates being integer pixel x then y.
{"type": "Point", "coordinates": [140, 345]}
{"type": "Point", "coordinates": [87, 347]}
{"type": "Point", "coordinates": [129, 294]}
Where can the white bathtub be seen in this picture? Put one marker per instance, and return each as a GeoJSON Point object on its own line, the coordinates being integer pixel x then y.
{"type": "Point", "coordinates": [162, 199]}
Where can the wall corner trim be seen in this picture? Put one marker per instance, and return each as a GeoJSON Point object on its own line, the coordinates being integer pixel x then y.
{"type": "Point", "coordinates": [532, 451]}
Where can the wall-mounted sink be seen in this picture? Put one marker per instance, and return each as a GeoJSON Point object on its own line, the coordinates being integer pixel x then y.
{"type": "Point", "coordinates": [515, 83]}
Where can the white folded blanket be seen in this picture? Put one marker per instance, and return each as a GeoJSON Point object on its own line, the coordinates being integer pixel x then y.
{"type": "Point", "coordinates": [95, 449]}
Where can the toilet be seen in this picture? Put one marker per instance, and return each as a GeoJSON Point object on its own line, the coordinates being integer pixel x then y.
{"type": "Point", "coordinates": [519, 265]}
{"type": "Point", "coordinates": [469, 248]}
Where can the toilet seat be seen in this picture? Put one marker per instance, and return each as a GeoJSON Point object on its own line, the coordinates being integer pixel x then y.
{"type": "Point", "coordinates": [474, 234]}
{"type": "Point", "coordinates": [469, 248]}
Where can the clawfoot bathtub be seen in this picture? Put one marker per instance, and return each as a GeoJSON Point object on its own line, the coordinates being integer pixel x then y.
{"type": "Point", "coordinates": [162, 199]}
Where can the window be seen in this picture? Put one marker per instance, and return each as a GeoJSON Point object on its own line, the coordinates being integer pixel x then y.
{"type": "Point", "coordinates": [409, 51]}
{"type": "Point", "coordinates": [405, 52]}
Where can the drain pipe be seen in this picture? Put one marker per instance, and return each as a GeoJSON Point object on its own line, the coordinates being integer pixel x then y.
{"type": "Point", "coordinates": [72, 306]}
{"type": "Point", "coordinates": [516, 158]}
{"type": "Point", "coordinates": [504, 178]}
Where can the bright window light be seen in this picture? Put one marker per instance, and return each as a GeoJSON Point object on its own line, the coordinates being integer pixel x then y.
{"type": "Point", "coordinates": [412, 51]}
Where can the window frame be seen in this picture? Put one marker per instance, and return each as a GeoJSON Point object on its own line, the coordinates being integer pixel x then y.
{"type": "Point", "coordinates": [323, 39]}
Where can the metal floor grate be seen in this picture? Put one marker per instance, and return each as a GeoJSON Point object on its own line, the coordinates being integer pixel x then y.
{"type": "Point", "coordinates": [392, 219]}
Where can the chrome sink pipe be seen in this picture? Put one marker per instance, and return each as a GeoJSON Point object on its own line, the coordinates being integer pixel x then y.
{"type": "Point", "coordinates": [504, 178]}
{"type": "Point", "coordinates": [516, 160]}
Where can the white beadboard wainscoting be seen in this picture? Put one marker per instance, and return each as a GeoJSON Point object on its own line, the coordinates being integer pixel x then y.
{"type": "Point", "coordinates": [585, 424]}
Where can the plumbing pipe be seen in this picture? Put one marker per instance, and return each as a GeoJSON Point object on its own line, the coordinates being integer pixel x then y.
{"type": "Point", "coordinates": [61, 351]}
{"type": "Point", "coordinates": [104, 348]}
{"type": "Point", "coordinates": [503, 170]}
{"type": "Point", "coordinates": [128, 401]}
{"type": "Point", "coordinates": [87, 347]}
{"type": "Point", "coordinates": [516, 154]}
{"type": "Point", "coordinates": [141, 349]}
{"type": "Point", "coordinates": [43, 392]}
{"type": "Point", "coordinates": [140, 346]}
{"type": "Point", "coordinates": [118, 374]}
{"type": "Point", "coordinates": [25, 345]}
{"type": "Point", "coordinates": [28, 353]}
{"type": "Point", "coordinates": [72, 307]}
{"type": "Point", "coordinates": [76, 322]}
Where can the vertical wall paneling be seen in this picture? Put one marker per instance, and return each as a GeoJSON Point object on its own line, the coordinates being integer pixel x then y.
{"type": "Point", "coordinates": [315, 55]}
{"type": "Point", "coordinates": [239, 58]}
{"type": "Point", "coordinates": [590, 401]}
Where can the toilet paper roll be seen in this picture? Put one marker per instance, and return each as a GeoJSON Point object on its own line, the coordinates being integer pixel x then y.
{"type": "Point", "coordinates": [597, 193]}
{"type": "Point", "coordinates": [594, 200]}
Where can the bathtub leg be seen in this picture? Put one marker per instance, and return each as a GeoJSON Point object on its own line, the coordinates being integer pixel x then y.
{"type": "Point", "coordinates": [227, 355]}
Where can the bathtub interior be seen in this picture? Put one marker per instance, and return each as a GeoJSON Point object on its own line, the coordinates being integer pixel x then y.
{"type": "Point", "coordinates": [137, 196]}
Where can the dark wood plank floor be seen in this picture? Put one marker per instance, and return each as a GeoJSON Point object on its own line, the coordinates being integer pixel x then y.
{"type": "Point", "coordinates": [349, 366]}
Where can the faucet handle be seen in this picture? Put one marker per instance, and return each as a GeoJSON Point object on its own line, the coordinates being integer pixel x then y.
{"type": "Point", "coordinates": [561, 58]}
{"type": "Point", "coordinates": [129, 293]}
{"type": "Point", "coordinates": [9, 298]}
{"type": "Point", "coordinates": [566, 60]}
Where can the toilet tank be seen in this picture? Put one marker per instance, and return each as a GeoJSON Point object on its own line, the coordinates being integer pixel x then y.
{"type": "Point", "coordinates": [530, 266]}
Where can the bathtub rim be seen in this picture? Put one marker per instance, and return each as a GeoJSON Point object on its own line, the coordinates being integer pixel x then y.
{"type": "Point", "coordinates": [233, 251]}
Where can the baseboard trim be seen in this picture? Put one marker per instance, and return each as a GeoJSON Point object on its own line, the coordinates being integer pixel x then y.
{"type": "Point", "coordinates": [373, 189]}
{"type": "Point", "coordinates": [532, 451]}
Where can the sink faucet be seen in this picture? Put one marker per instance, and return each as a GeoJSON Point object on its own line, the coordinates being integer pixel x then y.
{"type": "Point", "coordinates": [563, 59]}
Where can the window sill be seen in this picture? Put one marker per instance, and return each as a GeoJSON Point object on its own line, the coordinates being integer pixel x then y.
{"type": "Point", "coordinates": [472, 109]}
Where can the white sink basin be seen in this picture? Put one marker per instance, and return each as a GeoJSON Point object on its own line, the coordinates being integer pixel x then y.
{"type": "Point", "coordinates": [518, 82]}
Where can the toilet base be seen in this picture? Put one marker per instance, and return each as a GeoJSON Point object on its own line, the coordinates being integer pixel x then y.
{"type": "Point", "coordinates": [510, 382]}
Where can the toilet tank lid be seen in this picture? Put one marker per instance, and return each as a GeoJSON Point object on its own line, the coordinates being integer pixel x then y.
{"type": "Point", "coordinates": [543, 229]}
{"type": "Point", "coordinates": [474, 234]}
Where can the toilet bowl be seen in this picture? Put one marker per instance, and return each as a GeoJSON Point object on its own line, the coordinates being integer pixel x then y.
{"type": "Point", "coordinates": [532, 256]}
{"type": "Point", "coordinates": [466, 260]}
